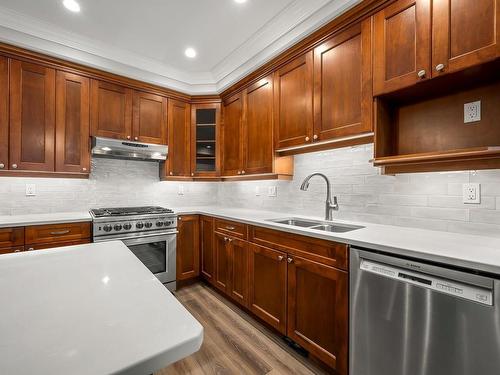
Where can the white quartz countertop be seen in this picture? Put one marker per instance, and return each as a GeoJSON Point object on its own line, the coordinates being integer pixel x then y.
{"type": "Point", "coordinates": [40, 219]}
{"type": "Point", "coordinates": [470, 251]}
{"type": "Point", "coordinates": [89, 309]}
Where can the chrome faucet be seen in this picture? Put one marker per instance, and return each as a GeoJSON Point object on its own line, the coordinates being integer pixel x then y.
{"type": "Point", "coordinates": [329, 207]}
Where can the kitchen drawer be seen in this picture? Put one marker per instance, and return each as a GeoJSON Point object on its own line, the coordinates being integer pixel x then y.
{"type": "Point", "coordinates": [43, 234]}
{"type": "Point", "coordinates": [51, 245]}
{"type": "Point", "coordinates": [11, 237]}
{"type": "Point", "coordinates": [8, 250]}
{"type": "Point", "coordinates": [231, 228]}
{"type": "Point", "coordinates": [323, 251]}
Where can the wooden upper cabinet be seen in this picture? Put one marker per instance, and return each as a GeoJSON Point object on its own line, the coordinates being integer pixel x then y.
{"type": "Point", "coordinates": [318, 310]}
{"type": "Point", "coordinates": [293, 102]}
{"type": "Point", "coordinates": [179, 141]}
{"type": "Point", "coordinates": [205, 139]}
{"type": "Point", "coordinates": [72, 123]}
{"type": "Point", "coordinates": [464, 33]}
{"type": "Point", "coordinates": [150, 118]}
{"type": "Point", "coordinates": [188, 249]}
{"type": "Point", "coordinates": [258, 128]}
{"type": "Point", "coordinates": [111, 110]}
{"type": "Point", "coordinates": [232, 136]}
{"type": "Point", "coordinates": [32, 120]}
{"type": "Point", "coordinates": [402, 45]}
{"type": "Point", "coordinates": [343, 84]}
{"type": "Point", "coordinates": [4, 113]}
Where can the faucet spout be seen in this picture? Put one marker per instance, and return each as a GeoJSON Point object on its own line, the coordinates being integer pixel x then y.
{"type": "Point", "coordinates": [329, 205]}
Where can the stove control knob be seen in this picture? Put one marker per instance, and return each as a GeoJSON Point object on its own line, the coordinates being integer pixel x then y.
{"type": "Point", "coordinates": [167, 223]}
{"type": "Point", "coordinates": [139, 225]}
{"type": "Point", "coordinates": [127, 226]}
{"type": "Point", "coordinates": [148, 224]}
{"type": "Point", "coordinates": [117, 227]}
{"type": "Point", "coordinates": [107, 228]}
{"type": "Point", "coordinates": [159, 223]}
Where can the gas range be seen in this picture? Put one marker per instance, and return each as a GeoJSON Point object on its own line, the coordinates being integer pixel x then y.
{"type": "Point", "coordinates": [131, 221]}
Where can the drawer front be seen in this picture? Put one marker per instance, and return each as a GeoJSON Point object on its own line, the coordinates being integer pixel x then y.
{"type": "Point", "coordinates": [11, 237]}
{"type": "Point", "coordinates": [9, 250]}
{"type": "Point", "coordinates": [51, 245]}
{"type": "Point", "coordinates": [326, 252]}
{"type": "Point", "coordinates": [231, 228]}
{"type": "Point", "coordinates": [42, 234]}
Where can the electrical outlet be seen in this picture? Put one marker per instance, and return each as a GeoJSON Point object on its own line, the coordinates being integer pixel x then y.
{"type": "Point", "coordinates": [472, 193]}
{"type": "Point", "coordinates": [472, 112]}
{"type": "Point", "coordinates": [257, 191]}
{"type": "Point", "coordinates": [180, 190]}
{"type": "Point", "coordinates": [272, 191]}
{"type": "Point", "coordinates": [30, 190]}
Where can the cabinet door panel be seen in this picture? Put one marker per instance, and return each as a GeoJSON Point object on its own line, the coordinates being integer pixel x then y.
{"type": "Point", "coordinates": [293, 101]}
{"type": "Point", "coordinates": [343, 91]}
{"type": "Point", "coordinates": [4, 113]}
{"type": "Point", "coordinates": [232, 139]}
{"type": "Point", "coordinates": [221, 274]}
{"type": "Point", "coordinates": [11, 237]}
{"type": "Point", "coordinates": [32, 116]}
{"type": "Point", "coordinates": [318, 310]}
{"type": "Point", "coordinates": [179, 138]}
{"type": "Point", "coordinates": [150, 118]}
{"type": "Point", "coordinates": [72, 123]}
{"type": "Point", "coordinates": [268, 285]}
{"type": "Point", "coordinates": [258, 128]}
{"type": "Point", "coordinates": [111, 110]}
{"type": "Point", "coordinates": [207, 248]}
{"type": "Point", "coordinates": [238, 270]}
{"type": "Point", "coordinates": [188, 247]}
{"type": "Point", "coordinates": [401, 45]}
{"type": "Point", "coordinates": [464, 33]}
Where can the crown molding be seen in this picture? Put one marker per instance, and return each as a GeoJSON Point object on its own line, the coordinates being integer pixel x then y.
{"type": "Point", "coordinates": [294, 22]}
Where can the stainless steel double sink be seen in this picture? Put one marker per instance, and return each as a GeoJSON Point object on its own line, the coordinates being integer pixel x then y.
{"type": "Point", "coordinates": [324, 226]}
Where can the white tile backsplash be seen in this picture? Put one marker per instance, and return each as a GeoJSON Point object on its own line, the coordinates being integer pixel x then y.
{"type": "Point", "coordinates": [423, 200]}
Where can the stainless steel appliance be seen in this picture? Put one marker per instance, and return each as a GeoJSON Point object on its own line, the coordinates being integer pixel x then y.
{"type": "Point", "coordinates": [115, 148]}
{"type": "Point", "coordinates": [418, 318]}
{"type": "Point", "coordinates": [149, 232]}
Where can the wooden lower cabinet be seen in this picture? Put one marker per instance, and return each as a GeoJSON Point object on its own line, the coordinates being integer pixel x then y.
{"type": "Point", "coordinates": [207, 254]}
{"type": "Point", "coordinates": [52, 245]}
{"type": "Point", "coordinates": [221, 272]}
{"type": "Point", "coordinates": [318, 310]}
{"type": "Point", "coordinates": [238, 270]}
{"type": "Point", "coordinates": [9, 250]}
{"type": "Point", "coordinates": [268, 285]}
{"type": "Point", "coordinates": [188, 250]}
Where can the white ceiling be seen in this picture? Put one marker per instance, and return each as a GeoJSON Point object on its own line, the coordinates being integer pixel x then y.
{"type": "Point", "coordinates": [146, 39]}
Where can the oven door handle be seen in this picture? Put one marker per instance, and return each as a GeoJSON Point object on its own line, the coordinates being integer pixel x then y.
{"type": "Point", "coordinates": [157, 234]}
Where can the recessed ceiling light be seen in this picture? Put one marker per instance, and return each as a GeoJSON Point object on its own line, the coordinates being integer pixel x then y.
{"type": "Point", "coordinates": [190, 52]}
{"type": "Point", "coordinates": [240, 1]}
{"type": "Point", "coordinates": [71, 5]}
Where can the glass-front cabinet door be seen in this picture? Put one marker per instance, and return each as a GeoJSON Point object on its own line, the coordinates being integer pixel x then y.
{"type": "Point", "coordinates": [205, 122]}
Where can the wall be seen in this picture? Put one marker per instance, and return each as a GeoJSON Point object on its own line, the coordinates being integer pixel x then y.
{"type": "Point", "coordinates": [111, 183]}
{"type": "Point", "coordinates": [424, 200]}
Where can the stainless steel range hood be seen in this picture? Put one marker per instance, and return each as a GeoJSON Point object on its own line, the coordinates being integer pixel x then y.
{"type": "Point", "coordinates": [115, 148]}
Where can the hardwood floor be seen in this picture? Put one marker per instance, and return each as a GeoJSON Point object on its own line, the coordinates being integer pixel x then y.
{"type": "Point", "coordinates": [234, 343]}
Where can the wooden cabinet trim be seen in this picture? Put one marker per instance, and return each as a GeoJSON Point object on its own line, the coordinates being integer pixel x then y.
{"type": "Point", "coordinates": [40, 234]}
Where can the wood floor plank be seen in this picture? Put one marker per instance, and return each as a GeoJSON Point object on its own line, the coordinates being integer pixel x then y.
{"type": "Point", "coordinates": [234, 343]}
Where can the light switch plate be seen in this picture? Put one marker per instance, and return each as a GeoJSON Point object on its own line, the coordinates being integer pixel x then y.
{"type": "Point", "coordinates": [30, 190]}
{"type": "Point", "coordinates": [472, 193]}
{"type": "Point", "coordinates": [257, 191]}
{"type": "Point", "coordinates": [272, 191]}
{"type": "Point", "coordinates": [180, 190]}
{"type": "Point", "coordinates": [472, 112]}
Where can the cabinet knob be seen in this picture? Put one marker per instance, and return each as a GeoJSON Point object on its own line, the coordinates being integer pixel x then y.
{"type": "Point", "coordinates": [421, 73]}
{"type": "Point", "coordinates": [192, 174]}
{"type": "Point", "coordinates": [315, 136]}
{"type": "Point", "coordinates": [289, 260]}
{"type": "Point", "coordinates": [171, 173]}
{"type": "Point", "coordinates": [242, 172]}
{"type": "Point", "coordinates": [239, 172]}
{"type": "Point", "coordinates": [31, 249]}
{"type": "Point", "coordinates": [84, 169]}
{"type": "Point", "coordinates": [440, 67]}
{"type": "Point", "coordinates": [2, 165]}
{"type": "Point", "coordinates": [179, 218]}
{"type": "Point", "coordinates": [17, 250]}
{"type": "Point", "coordinates": [136, 138]}
{"type": "Point", "coordinates": [128, 136]}
{"type": "Point", "coordinates": [225, 239]}
{"type": "Point", "coordinates": [280, 257]}
{"type": "Point", "coordinates": [307, 139]}
{"type": "Point", "coordinates": [14, 166]}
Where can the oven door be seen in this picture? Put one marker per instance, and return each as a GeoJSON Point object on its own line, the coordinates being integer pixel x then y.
{"type": "Point", "coordinates": [157, 251]}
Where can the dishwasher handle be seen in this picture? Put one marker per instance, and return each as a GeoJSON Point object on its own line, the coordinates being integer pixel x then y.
{"type": "Point", "coordinates": [451, 287]}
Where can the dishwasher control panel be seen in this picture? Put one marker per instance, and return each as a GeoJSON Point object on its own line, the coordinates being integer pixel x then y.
{"type": "Point", "coordinates": [451, 287]}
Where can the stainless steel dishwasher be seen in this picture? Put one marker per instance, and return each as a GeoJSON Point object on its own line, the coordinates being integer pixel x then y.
{"type": "Point", "coordinates": [417, 318]}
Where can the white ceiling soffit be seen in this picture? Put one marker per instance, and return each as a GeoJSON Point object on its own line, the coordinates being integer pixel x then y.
{"type": "Point", "coordinates": [293, 23]}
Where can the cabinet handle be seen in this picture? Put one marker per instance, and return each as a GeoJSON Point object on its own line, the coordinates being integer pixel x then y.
{"type": "Point", "coordinates": [2, 165]}
{"type": "Point", "coordinates": [230, 239]}
{"type": "Point", "coordinates": [14, 166]}
{"type": "Point", "coordinates": [315, 136]}
{"type": "Point", "coordinates": [31, 249]}
{"type": "Point", "coordinates": [289, 260]}
{"type": "Point", "coordinates": [307, 139]}
{"type": "Point", "coordinates": [17, 250]}
{"type": "Point", "coordinates": [421, 73]}
{"type": "Point", "coordinates": [440, 67]}
{"type": "Point", "coordinates": [280, 257]}
{"type": "Point", "coordinates": [128, 136]}
{"type": "Point", "coordinates": [59, 233]}
{"type": "Point", "coordinates": [230, 228]}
